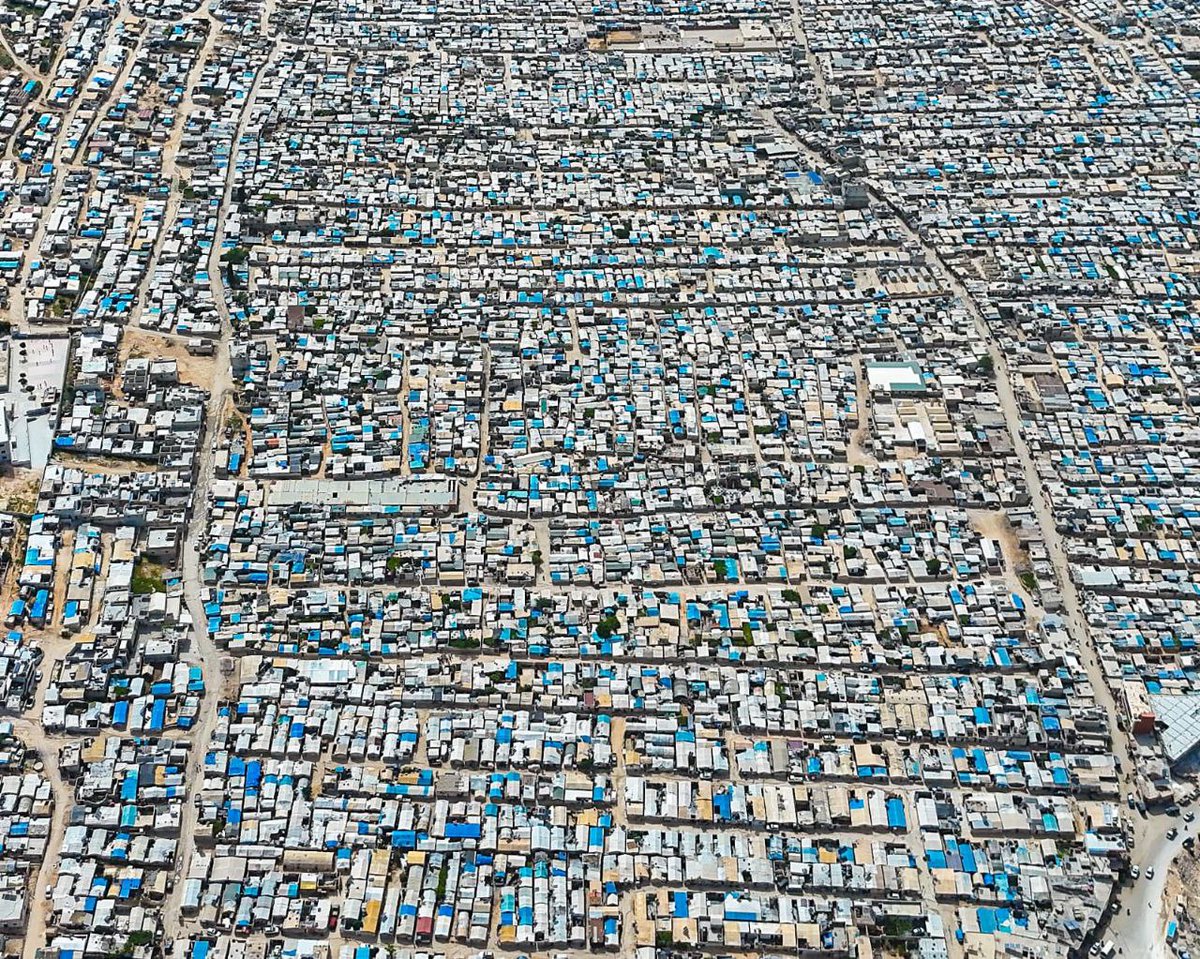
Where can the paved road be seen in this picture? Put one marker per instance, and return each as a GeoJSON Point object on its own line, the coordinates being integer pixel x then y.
{"type": "Point", "coordinates": [1141, 932]}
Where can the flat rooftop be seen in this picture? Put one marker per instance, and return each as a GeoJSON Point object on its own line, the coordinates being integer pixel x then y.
{"type": "Point", "coordinates": [373, 493]}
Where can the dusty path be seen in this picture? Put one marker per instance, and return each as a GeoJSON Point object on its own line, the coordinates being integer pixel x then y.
{"type": "Point", "coordinates": [47, 747]}
{"type": "Point", "coordinates": [17, 302]}
{"type": "Point", "coordinates": [1039, 500]}
{"type": "Point", "coordinates": [207, 651]}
